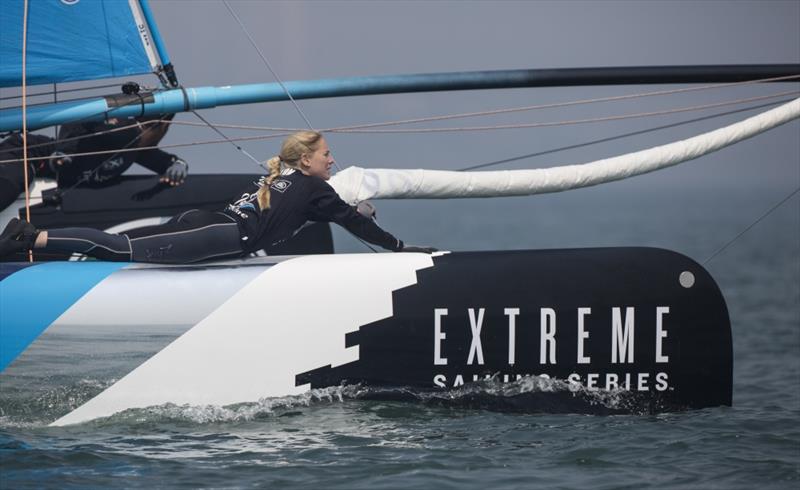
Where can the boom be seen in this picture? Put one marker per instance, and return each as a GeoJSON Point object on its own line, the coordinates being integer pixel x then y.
{"type": "Point", "coordinates": [189, 99]}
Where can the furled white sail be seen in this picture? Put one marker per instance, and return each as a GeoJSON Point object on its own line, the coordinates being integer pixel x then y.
{"type": "Point", "coordinates": [355, 184]}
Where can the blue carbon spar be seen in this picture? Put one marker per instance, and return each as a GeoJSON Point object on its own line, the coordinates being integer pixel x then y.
{"type": "Point", "coordinates": [23, 313]}
{"type": "Point", "coordinates": [181, 100]}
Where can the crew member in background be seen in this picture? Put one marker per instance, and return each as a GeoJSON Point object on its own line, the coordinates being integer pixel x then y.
{"type": "Point", "coordinates": [90, 170]}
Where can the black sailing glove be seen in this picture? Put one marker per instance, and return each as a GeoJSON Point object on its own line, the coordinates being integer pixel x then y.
{"type": "Point", "coordinates": [18, 236]}
{"type": "Point", "coordinates": [417, 249]}
{"type": "Point", "coordinates": [59, 160]}
{"type": "Point", "coordinates": [176, 173]}
{"type": "Point", "coordinates": [367, 210]}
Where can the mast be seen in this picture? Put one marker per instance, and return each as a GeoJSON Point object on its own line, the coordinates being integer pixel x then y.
{"type": "Point", "coordinates": [165, 66]}
{"type": "Point", "coordinates": [188, 99]}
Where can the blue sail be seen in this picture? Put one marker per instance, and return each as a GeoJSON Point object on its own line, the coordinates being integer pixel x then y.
{"type": "Point", "coordinates": [72, 40]}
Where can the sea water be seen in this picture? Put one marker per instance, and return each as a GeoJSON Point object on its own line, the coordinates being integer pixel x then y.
{"type": "Point", "coordinates": [336, 438]}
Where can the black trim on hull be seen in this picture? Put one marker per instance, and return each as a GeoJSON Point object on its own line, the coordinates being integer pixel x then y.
{"type": "Point", "coordinates": [681, 355]}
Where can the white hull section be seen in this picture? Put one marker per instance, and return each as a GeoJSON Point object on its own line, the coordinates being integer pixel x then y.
{"type": "Point", "coordinates": [249, 347]}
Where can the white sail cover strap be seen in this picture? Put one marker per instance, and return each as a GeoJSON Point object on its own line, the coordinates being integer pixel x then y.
{"type": "Point", "coordinates": [356, 184]}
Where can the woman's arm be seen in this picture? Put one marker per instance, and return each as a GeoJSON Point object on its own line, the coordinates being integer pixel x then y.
{"type": "Point", "coordinates": [326, 205]}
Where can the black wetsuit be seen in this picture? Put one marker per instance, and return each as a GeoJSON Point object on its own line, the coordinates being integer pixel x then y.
{"type": "Point", "coordinates": [191, 236]}
{"type": "Point", "coordinates": [240, 229]}
{"type": "Point", "coordinates": [296, 199]}
{"type": "Point", "coordinates": [106, 168]}
{"type": "Point", "coordinates": [88, 170]}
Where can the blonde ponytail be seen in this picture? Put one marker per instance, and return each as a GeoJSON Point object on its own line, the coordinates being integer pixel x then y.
{"type": "Point", "coordinates": [274, 166]}
{"type": "Point", "coordinates": [294, 147]}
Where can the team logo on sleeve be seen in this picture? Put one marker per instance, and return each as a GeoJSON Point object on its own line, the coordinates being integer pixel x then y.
{"type": "Point", "coordinates": [280, 185]}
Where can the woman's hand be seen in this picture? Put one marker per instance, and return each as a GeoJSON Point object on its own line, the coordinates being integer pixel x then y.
{"type": "Point", "coordinates": [418, 249]}
{"type": "Point", "coordinates": [176, 173]}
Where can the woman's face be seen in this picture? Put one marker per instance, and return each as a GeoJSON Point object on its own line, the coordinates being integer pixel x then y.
{"type": "Point", "coordinates": [318, 163]}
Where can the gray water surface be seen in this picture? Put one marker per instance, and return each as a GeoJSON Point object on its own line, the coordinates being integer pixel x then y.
{"type": "Point", "coordinates": [325, 439]}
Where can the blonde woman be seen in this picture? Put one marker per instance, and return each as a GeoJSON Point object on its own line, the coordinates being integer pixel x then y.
{"type": "Point", "coordinates": [269, 212]}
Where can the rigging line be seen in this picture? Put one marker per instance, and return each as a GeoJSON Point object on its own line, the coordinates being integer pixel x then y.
{"type": "Point", "coordinates": [564, 123]}
{"type": "Point", "coordinates": [154, 147]}
{"type": "Point", "coordinates": [235, 126]}
{"type": "Point", "coordinates": [423, 130]}
{"type": "Point", "coordinates": [274, 73]}
{"type": "Point", "coordinates": [99, 133]}
{"type": "Point", "coordinates": [355, 129]}
{"type": "Point", "coordinates": [587, 101]}
{"type": "Point", "coordinates": [773, 208]}
{"type": "Point", "coordinates": [267, 63]}
{"type": "Point", "coordinates": [25, 118]}
{"type": "Point", "coordinates": [91, 174]}
{"type": "Point", "coordinates": [83, 119]}
{"type": "Point", "coordinates": [116, 152]}
{"type": "Point", "coordinates": [472, 114]}
{"type": "Point", "coordinates": [73, 99]}
{"type": "Point", "coordinates": [366, 244]}
{"type": "Point", "coordinates": [55, 101]}
{"type": "Point", "coordinates": [176, 145]}
{"type": "Point", "coordinates": [238, 147]}
{"type": "Point", "coordinates": [94, 87]}
{"type": "Point", "coordinates": [621, 136]}
{"type": "Point", "coordinates": [278, 79]}
{"type": "Point", "coordinates": [570, 103]}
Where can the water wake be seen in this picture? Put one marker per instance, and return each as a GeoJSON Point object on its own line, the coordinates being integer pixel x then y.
{"type": "Point", "coordinates": [530, 394]}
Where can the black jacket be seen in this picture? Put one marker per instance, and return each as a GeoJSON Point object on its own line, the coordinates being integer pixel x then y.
{"type": "Point", "coordinates": [104, 169]}
{"type": "Point", "coordinates": [295, 199]}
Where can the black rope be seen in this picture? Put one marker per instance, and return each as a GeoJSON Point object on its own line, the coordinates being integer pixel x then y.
{"type": "Point", "coordinates": [238, 147]}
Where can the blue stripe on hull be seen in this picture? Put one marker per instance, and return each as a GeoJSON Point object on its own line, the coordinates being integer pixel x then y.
{"type": "Point", "coordinates": [8, 268]}
{"type": "Point", "coordinates": [24, 315]}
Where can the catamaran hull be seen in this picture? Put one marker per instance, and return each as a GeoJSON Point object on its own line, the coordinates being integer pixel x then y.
{"type": "Point", "coordinates": [646, 322]}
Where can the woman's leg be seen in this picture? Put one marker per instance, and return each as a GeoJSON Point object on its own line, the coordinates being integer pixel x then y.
{"type": "Point", "coordinates": [190, 237]}
{"type": "Point", "coordinates": [98, 244]}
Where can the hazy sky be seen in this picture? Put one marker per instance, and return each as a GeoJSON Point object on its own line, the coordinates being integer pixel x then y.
{"type": "Point", "coordinates": [321, 39]}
